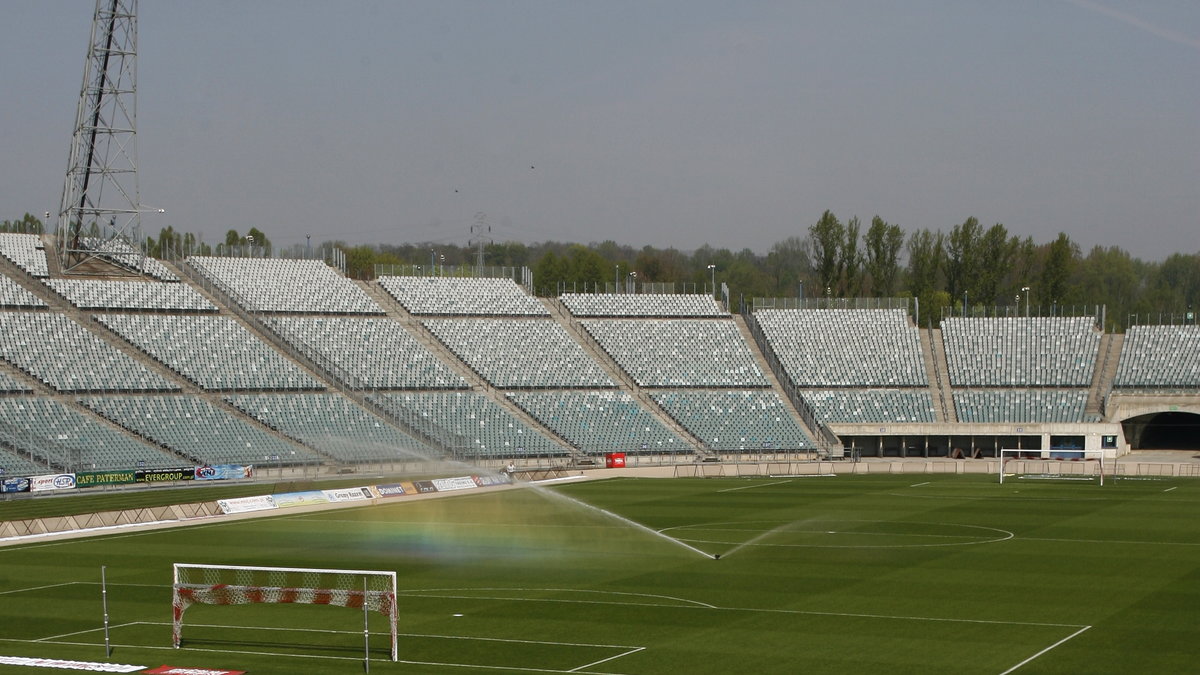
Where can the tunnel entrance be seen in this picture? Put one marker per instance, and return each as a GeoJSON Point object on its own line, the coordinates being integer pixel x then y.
{"type": "Point", "coordinates": [1163, 431]}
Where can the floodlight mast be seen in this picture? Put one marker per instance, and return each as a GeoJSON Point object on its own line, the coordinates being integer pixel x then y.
{"type": "Point", "coordinates": [101, 209]}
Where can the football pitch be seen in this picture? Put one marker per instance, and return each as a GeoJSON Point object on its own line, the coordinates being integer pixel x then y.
{"type": "Point", "coordinates": [895, 574]}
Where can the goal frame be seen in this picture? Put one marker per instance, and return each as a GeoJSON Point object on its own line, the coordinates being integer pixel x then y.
{"type": "Point", "coordinates": [1047, 456]}
{"type": "Point", "coordinates": [382, 599]}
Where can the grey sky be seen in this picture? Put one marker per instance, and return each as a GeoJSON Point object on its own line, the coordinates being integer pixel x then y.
{"type": "Point", "coordinates": [666, 123]}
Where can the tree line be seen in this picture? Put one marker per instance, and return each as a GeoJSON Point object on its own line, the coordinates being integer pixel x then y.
{"type": "Point", "coordinates": [971, 265]}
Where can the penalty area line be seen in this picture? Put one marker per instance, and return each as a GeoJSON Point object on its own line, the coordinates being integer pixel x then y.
{"type": "Point", "coordinates": [1056, 644]}
{"type": "Point", "coordinates": [611, 658]}
{"type": "Point", "coordinates": [747, 487]}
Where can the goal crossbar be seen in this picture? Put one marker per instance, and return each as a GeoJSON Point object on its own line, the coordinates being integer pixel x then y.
{"type": "Point", "coordinates": [370, 590]}
{"type": "Point", "coordinates": [1052, 463]}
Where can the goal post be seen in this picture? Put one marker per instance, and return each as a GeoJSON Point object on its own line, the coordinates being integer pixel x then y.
{"type": "Point", "coordinates": [195, 584]}
{"type": "Point", "coordinates": [1066, 464]}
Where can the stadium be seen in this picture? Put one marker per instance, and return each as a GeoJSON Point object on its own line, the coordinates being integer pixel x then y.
{"type": "Point", "coordinates": [267, 462]}
{"type": "Point", "coordinates": [973, 498]}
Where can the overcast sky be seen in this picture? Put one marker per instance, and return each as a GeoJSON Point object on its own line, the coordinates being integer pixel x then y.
{"type": "Point", "coordinates": [670, 123]}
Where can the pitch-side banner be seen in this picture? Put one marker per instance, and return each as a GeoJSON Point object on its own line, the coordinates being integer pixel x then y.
{"type": "Point", "coordinates": [307, 498]}
{"type": "Point", "coordinates": [165, 475]}
{"type": "Point", "coordinates": [94, 478]}
{"type": "Point", "coordinates": [357, 494]}
{"type": "Point", "coordinates": [14, 485]}
{"type": "Point", "coordinates": [394, 489]}
{"type": "Point", "coordinates": [451, 484]}
{"type": "Point", "coordinates": [58, 481]}
{"type": "Point", "coordinates": [246, 504]}
{"type": "Point", "coordinates": [224, 472]}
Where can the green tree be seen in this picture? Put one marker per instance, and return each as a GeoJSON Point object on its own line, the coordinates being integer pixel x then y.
{"type": "Point", "coordinates": [1059, 267]}
{"type": "Point", "coordinates": [826, 237]}
{"type": "Point", "coordinates": [850, 261]}
{"type": "Point", "coordinates": [882, 244]}
{"type": "Point", "coordinates": [962, 254]}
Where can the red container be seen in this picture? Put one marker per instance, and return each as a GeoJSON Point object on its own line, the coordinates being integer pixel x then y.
{"type": "Point", "coordinates": [614, 460]}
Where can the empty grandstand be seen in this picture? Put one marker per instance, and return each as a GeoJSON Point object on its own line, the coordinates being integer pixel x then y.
{"type": "Point", "coordinates": [367, 352]}
{"type": "Point", "coordinates": [65, 356]}
{"type": "Point", "coordinates": [820, 348]}
{"type": "Point", "coordinates": [13, 294]}
{"type": "Point", "coordinates": [214, 352]}
{"type": "Point", "coordinates": [520, 353]}
{"type": "Point", "coordinates": [599, 422]}
{"type": "Point", "coordinates": [200, 431]}
{"type": "Point", "coordinates": [469, 425]}
{"type": "Point", "coordinates": [120, 295]}
{"type": "Point", "coordinates": [62, 437]}
{"type": "Point", "coordinates": [1160, 357]}
{"type": "Point", "coordinates": [735, 420]}
{"type": "Point", "coordinates": [25, 251]}
{"type": "Point", "coordinates": [1021, 351]}
{"type": "Point", "coordinates": [678, 353]}
{"type": "Point", "coordinates": [858, 406]}
{"type": "Point", "coordinates": [1020, 405]}
{"type": "Point", "coordinates": [467, 296]}
{"type": "Point", "coordinates": [284, 285]}
{"type": "Point", "coordinates": [646, 305]}
{"type": "Point", "coordinates": [333, 425]}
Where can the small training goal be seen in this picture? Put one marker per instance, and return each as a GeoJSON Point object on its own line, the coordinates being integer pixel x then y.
{"type": "Point", "coordinates": [372, 591]}
{"type": "Point", "coordinates": [1070, 465]}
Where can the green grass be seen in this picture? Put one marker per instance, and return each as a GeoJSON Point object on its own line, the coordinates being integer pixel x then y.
{"type": "Point", "coordinates": [896, 574]}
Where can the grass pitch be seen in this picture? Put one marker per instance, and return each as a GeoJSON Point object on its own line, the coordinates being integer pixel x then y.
{"type": "Point", "coordinates": [897, 574]}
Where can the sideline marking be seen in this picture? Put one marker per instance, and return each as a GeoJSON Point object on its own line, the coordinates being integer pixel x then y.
{"type": "Point", "coordinates": [38, 588]}
{"type": "Point", "coordinates": [1170, 488]}
{"type": "Point", "coordinates": [1045, 650]}
{"type": "Point", "coordinates": [747, 487]}
{"type": "Point", "coordinates": [611, 658]}
{"type": "Point", "coordinates": [920, 484]}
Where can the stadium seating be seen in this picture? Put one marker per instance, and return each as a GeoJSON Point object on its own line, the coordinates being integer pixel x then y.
{"type": "Point", "coordinates": [333, 425]}
{"type": "Point", "coordinates": [452, 296]}
{"type": "Point", "coordinates": [1020, 351]}
{"type": "Point", "coordinates": [645, 305]}
{"type": "Point", "coordinates": [215, 352]}
{"type": "Point", "coordinates": [469, 424]}
{"type": "Point", "coordinates": [122, 253]}
{"type": "Point", "coordinates": [65, 356]}
{"type": "Point", "coordinates": [11, 385]}
{"type": "Point", "coordinates": [13, 294]}
{"type": "Point", "coordinates": [25, 251]}
{"type": "Point", "coordinates": [196, 429]}
{"type": "Point", "coordinates": [372, 353]}
{"type": "Point", "coordinates": [520, 353]}
{"type": "Point", "coordinates": [600, 421]}
{"type": "Point", "coordinates": [1020, 405]}
{"type": "Point", "coordinates": [678, 352]}
{"type": "Point", "coordinates": [728, 420]}
{"type": "Point", "coordinates": [130, 295]}
{"type": "Point", "coordinates": [284, 285]}
{"type": "Point", "coordinates": [72, 440]}
{"type": "Point", "coordinates": [1160, 357]}
{"type": "Point", "coordinates": [845, 347]}
{"type": "Point", "coordinates": [13, 464]}
{"type": "Point", "coordinates": [868, 406]}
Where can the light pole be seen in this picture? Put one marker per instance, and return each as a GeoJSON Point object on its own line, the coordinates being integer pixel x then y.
{"type": "Point", "coordinates": [801, 290]}
{"type": "Point", "coordinates": [1025, 290]}
{"type": "Point", "coordinates": [308, 246]}
{"type": "Point", "coordinates": [250, 243]}
{"type": "Point", "coordinates": [631, 285]}
{"type": "Point", "coordinates": [713, 270]}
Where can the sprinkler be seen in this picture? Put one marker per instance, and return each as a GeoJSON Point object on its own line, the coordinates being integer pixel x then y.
{"type": "Point", "coordinates": [716, 556]}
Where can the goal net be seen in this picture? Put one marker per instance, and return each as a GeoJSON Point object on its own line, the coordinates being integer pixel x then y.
{"type": "Point", "coordinates": [1078, 465]}
{"type": "Point", "coordinates": [239, 585]}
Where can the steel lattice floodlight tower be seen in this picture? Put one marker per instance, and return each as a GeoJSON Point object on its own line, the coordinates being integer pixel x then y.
{"type": "Point", "coordinates": [100, 210]}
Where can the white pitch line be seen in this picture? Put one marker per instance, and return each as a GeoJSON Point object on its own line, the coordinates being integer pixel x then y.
{"type": "Point", "coordinates": [38, 588]}
{"type": "Point", "coordinates": [1045, 650]}
{"type": "Point", "coordinates": [747, 487]}
{"type": "Point", "coordinates": [1110, 541]}
{"type": "Point", "coordinates": [611, 658]}
{"type": "Point", "coordinates": [1170, 488]}
{"type": "Point", "coordinates": [920, 484]}
{"type": "Point", "coordinates": [89, 630]}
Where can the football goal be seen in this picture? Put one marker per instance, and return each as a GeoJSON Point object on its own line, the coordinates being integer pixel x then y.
{"type": "Point", "coordinates": [372, 591]}
{"type": "Point", "coordinates": [1078, 465]}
